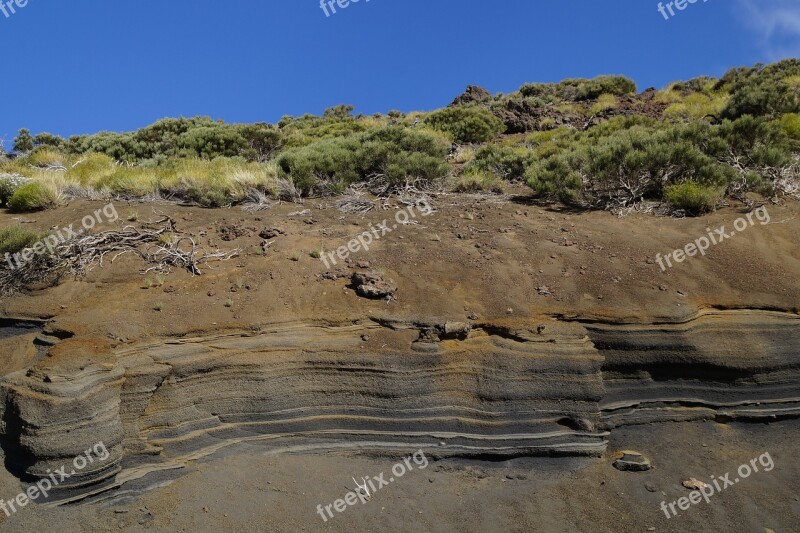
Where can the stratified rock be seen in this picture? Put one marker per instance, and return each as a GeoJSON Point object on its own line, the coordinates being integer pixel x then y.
{"type": "Point", "coordinates": [62, 408]}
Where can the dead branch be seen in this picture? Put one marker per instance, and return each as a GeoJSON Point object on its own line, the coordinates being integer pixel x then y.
{"type": "Point", "coordinates": [154, 242]}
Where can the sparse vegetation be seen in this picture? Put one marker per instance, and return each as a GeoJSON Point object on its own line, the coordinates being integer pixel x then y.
{"type": "Point", "coordinates": [466, 124]}
{"type": "Point", "coordinates": [16, 238]}
{"type": "Point", "coordinates": [693, 198]}
{"type": "Point", "coordinates": [588, 142]}
{"type": "Point", "coordinates": [33, 196]}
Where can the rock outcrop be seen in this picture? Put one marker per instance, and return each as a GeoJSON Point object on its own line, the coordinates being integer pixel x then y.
{"type": "Point", "coordinates": [470, 390]}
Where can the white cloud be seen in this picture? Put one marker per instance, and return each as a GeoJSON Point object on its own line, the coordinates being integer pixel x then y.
{"type": "Point", "coordinates": [777, 23]}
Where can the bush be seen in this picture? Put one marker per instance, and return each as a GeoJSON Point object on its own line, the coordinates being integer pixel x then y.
{"type": "Point", "coordinates": [577, 90]}
{"type": "Point", "coordinates": [605, 102]}
{"type": "Point", "coordinates": [392, 154]}
{"type": "Point", "coordinates": [629, 165]}
{"type": "Point", "coordinates": [762, 91]}
{"type": "Point", "coordinates": [130, 181]}
{"type": "Point", "coordinates": [790, 124]}
{"type": "Point", "coordinates": [9, 184]}
{"type": "Point", "coordinates": [23, 142]}
{"type": "Point", "coordinates": [693, 198]}
{"type": "Point", "coordinates": [16, 238]}
{"type": "Point", "coordinates": [45, 157]}
{"type": "Point", "coordinates": [33, 196]}
{"type": "Point", "coordinates": [476, 181]}
{"type": "Point", "coordinates": [92, 168]}
{"type": "Point", "coordinates": [504, 162]}
{"type": "Point", "coordinates": [467, 124]}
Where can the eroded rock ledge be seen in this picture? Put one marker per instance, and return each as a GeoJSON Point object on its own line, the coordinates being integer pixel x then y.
{"type": "Point", "coordinates": [488, 391]}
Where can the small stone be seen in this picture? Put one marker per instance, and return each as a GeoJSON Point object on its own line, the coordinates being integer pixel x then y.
{"type": "Point", "coordinates": [663, 288]}
{"type": "Point", "coordinates": [694, 484]}
{"type": "Point", "coordinates": [365, 338]}
{"type": "Point", "coordinates": [650, 487]}
{"type": "Point", "coordinates": [632, 461]}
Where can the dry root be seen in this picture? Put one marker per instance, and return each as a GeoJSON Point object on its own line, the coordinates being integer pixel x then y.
{"type": "Point", "coordinates": [158, 243]}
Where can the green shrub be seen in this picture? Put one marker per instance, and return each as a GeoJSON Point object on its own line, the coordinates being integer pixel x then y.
{"type": "Point", "coordinates": [790, 124]}
{"type": "Point", "coordinates": [762, 90]}
{"type": "Point", "coordinates": [9, 183]}
{"type": "Point", "coordinates": [629, 165]}
{"type": "Point", "coordinates": [209, 197]}
{"type": "Point", "coordinates": [16, 238]}
{"type": "Point", "coordinates": [693, 198]}
{"type": "Point", "coordinates": [92, 168]}
{"type": "Point", "coordinates": [467, 124]}
{"type": "Point", "coordinates": [392, 154]}
{"type": "Point", "coordinates": [476, 181]}
{"type": "Point", "coordinates": [23, 142]}
{"type": "Point", "coordinates": [504, 162]}
{"type": "Point", "coordinates": [577, 90]}
{"type": "Point", "coordinates": [33, 196]}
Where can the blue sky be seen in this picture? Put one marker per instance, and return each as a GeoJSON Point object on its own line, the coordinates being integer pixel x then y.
{"type": "Point", "coordinates": [82, 66]}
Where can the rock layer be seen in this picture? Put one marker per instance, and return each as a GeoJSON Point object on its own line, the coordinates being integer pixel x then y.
{"type": "Point", "coordinates": [485, 391]}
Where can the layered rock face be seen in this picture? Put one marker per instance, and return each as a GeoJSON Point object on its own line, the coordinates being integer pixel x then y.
{"type": "Point", "coordinates": [60, 410]}
{"type": "Point", "coordinates": [721, 364]}
{"type": "Point", "coordinates": [382, 388]}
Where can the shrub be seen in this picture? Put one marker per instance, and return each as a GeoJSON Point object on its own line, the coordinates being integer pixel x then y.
{"type": "Point", "coordinates": [467, 124]}
{"type": "Point", "coordinates": [628, 165]}
{"type": "Point", "coordinates": [605, 102]}
{"type": "Point", "coordinates": [790, 124]}
{"type": "Point", "coordinates": [212, 141]}
{"type": "Point", "coordinates": [577, 90]}
{"type": "Point", "coordinates": [476, 181]}
{"type": "Point", "coordinates": [392, 154]}
{"type": "Point", "coordinates": [16, 238]}
{"type": "Point", "coordinates": [9, 183]}
{"type": "Point", "coordinates": [130, 181]}
{"type": "Point", "coordinates": [92, 168]}
{"type": "Point", "coordinates": [504, 162]}
{"type": "Point", "coordinates": [762, 91]}
{"type": "Point", "coordinates": [581, 89]}
{"type": "Point", "coordinates": [23, 142]}
{"type": "Point", "coordinates": [33, 196]}
{"type": "Point", "coordinates": [693, 198]}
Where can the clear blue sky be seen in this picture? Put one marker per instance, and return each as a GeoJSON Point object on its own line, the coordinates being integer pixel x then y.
{"type": "Point", "coordinates": [82, 66]}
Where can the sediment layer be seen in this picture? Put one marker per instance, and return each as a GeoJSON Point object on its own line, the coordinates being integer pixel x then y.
{"type": "Point", "coordinates": [381, 388]}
